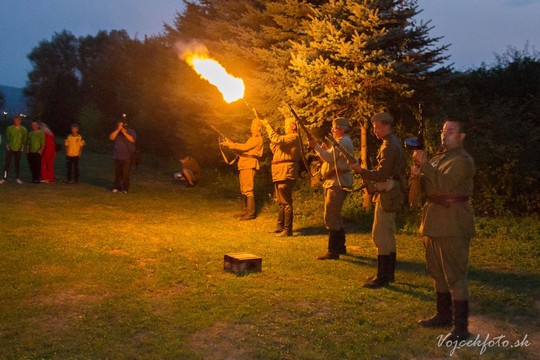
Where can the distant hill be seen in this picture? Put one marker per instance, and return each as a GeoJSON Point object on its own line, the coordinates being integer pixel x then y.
{"type": "Point", "coordinates": [15, 102]}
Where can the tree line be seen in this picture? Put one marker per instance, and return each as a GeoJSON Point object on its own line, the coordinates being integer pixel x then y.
{"type": "Point", "coordinates": [325, 58]}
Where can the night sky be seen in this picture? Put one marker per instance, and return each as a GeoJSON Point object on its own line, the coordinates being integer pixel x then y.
{"type": "Point", "coordinates": [477, 29]}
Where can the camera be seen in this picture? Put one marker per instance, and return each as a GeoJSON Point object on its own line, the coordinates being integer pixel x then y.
{"type": "Point", "coordinates": [415, 143]}
{"type": "Point", "coordinates": [124, 121]}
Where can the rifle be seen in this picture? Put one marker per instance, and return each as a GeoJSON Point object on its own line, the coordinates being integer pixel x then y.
{"type": "Point", "coordinates": [416, 143]}
{"type": "Point", "coordinates": [302, 125]}
{"type": "Point", "coordinates": [221, 136]}
{"type": "Point", "coordinates": [350, 158]}
{"type": "Point", "coordinates": [308, 134]}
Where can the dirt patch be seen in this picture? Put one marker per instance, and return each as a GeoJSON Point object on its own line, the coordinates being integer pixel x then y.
{"type": "Point", "coordinates": [119, 252]}
{"type": "Point", "coordinates": [222, 341]}
{"type": "Point", "coordinates": [489, 330]}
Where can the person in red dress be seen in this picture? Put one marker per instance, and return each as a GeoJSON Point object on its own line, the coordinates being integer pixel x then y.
{"type": "Point", "coordinates": [48, 156]}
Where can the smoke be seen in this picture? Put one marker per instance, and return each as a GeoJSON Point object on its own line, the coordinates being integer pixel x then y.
{"type": "Point", "coordinates": [186, 50]}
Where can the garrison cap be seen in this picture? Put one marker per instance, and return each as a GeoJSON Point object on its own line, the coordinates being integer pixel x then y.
{"type": "Point", "coordinates": [383, 116]}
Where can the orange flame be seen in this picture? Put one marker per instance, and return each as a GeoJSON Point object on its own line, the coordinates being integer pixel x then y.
{"type": "Point", "coordinates": [232, 88]}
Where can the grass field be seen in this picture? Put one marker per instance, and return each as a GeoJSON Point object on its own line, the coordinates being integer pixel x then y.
{"type": "Point", "coordinates": [87, 274]}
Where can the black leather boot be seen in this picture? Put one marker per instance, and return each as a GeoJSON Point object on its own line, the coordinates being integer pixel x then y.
{"type": "Point", "coordinates": [250, 209]}
{"type": "Point", "coordinates": [280, 221]}
{"type": "Point", "coordinates": [443, 318]}
{"type": "Point", "coordinates": [287, 222]}
{"type": "Point", "coordinates": [383, 266]}
{"type": "Point", "coordinates": [244, 208]}
{"type": "Point", "coordinates": [332, 253]}
{"type": "Point", "coordinates": [460, 330]}
{"type": "Point", "coordinates": [341, 248]}
{"type": "Point", "coordinates": [391, 269]}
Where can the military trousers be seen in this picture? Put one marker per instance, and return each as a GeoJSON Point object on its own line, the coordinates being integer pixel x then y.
{"type": "Point", "coordinates": [334, 197]}
{"type": "Point", "coordinates": [246, 177]}
{"type": "Point", "coordinates": [284, 196]}
{"type": "Point", "coordinates": [447, 261]}
{"type": "Point", "coordinates": [383, 231]}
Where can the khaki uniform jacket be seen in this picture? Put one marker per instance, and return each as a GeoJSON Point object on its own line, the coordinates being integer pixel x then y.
{"type": "Point", "coordinates": [248, 152]}
{"type": "Point", "coordinates": [448, 174]}
{"type": "Point", "coordinates": [343, 178]}
{"type": "Point", "coordinates": [287, 154]}
{"type": "Point", "coordinates": [390, 161]}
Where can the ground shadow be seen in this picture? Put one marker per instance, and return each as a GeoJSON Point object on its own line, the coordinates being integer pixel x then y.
{"type": "Point", "coordinates": [311, 230]}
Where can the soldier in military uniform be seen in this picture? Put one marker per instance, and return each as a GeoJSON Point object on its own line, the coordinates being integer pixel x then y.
{"type": "Point", "coordinates": [337, 184]}
{"type": "Point", "coordinates": [248, 164]}
{"type": "Point", "coordinates": [285, 164]}
{"type": "Point", "coordinates": [390, 169]}
{"type": "Point", "coordinates": [447, 227]}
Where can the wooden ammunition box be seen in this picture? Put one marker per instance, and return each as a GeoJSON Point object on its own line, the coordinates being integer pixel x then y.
{"type": "Point", "coordinates": [242, 262]}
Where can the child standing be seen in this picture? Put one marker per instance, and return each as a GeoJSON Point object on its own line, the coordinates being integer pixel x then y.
{"type": "Point", "coordinates": [74, 144]}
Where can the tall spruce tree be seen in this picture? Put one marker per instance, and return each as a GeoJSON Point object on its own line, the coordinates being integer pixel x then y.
{"type": "Point", "coordinates": [328, 58]}
{"type": "Point", "coordinates": [360, 56]}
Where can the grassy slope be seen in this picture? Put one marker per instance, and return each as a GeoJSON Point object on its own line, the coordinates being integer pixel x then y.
{"type": "Point", "coordinates": [85, 273]}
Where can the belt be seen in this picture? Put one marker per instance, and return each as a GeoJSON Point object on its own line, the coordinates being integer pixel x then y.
{"type": "Point", "coordinates": [249, 156]}
{"type": "Point", "coordinates": [446, 201]}
{"type": "Point", "coordinates": [283, 162]}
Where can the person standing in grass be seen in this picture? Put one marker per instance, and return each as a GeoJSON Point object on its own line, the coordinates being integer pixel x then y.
{"type": "Point", "coordinates": [16, 135]}
{"type": "Point", "coordinates": [248, 164]}
{"type": "Point", "coordinates": [390, 169]}
{"type": "Point", "coordinates": [285, 167]}
{"type": "Point", "coordinates": [48, 156]}
{"type": "Point", "coordinates": [74, 144]}
{"type": "Point", "coordinates": [123, 139]}
{"type": "Point", "coordinates": [447, 227]}
{"type": "Point", "coordinates": [35, 144]}
{"type": "Point", "coordinates": [337, 185]}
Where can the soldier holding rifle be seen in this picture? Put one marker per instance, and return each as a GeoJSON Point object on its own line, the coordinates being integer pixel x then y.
{"type": "Point", "coordinates": [447, 227]}
{"type": "Point", "coordinates": [285, 164]}
{"type": "Point", "coordinates": [248, 164]}
{"type": "Point", "coordinates": [338, 181]}
{"type": "Point", "coordinates": [389, 171]}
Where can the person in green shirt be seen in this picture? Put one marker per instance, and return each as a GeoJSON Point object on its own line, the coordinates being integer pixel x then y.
{"type": "Point", "coordinates": [15, 140]}
{"type": "Point", "coordinates": [34, 148]}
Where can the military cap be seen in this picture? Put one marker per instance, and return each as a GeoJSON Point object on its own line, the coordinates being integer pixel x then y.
{"type": "Point", "coordinates": [341, 122]}
{"type": "Point", "coordinates": [383, 116]}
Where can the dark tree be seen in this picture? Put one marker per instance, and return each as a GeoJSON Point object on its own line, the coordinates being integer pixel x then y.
{"type": "Point", "coordinates": [53, 83]}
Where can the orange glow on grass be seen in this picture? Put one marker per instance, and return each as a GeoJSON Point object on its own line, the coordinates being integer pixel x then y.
{"type": "Point", "coordinates": [232, 88]}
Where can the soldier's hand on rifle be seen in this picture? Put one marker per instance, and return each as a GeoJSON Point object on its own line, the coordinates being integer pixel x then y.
{"type": "Point", "coordinates": [419, 157]}
{"type": "Point", "coordinates": [385, 186]}
{"type": "Point", "coordinates": [356, 167]}
{"type": "Point", "coordinates": [264, 122]}
{"type": "Point", "coordinates": [225, 142]}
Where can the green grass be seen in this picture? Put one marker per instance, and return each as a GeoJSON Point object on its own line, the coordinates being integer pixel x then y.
{"type": "Point", "coordinates": [88, 274]}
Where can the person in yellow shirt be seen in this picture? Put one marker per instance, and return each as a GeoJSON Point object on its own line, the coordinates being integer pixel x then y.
{"type": "Point", "coordinates": [74, 144]}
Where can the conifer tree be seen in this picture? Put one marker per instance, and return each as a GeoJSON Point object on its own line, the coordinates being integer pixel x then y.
{"type": "Point", "coordinates": [360, 56]}
{"type": "Point", "coordinates": [328, 58]}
